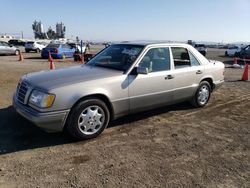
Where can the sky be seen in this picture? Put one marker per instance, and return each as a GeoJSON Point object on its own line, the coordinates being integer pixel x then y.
{"type": "Point", "coordinates": [119, 20]}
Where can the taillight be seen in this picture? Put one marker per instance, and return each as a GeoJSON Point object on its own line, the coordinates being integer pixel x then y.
{"type": "Point", "coordinates": [56, 50]}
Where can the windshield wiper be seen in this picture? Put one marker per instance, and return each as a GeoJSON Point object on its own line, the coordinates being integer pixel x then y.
{"type": "Point", "coordinates": [108, 67]}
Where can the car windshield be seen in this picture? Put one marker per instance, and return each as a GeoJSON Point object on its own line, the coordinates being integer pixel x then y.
{"type": "Point", "coordinates": [117, 56]}
{"type": "Point", "coordinates": [52, 45]}
{"type": "Point", "coordinates": [30, 42]}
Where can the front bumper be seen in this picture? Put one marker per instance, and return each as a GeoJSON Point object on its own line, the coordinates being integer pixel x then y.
{"type": "Point", "coordinates": [48, 121]}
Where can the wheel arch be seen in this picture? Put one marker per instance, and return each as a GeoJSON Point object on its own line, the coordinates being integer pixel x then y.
{"type": "Point", "coordinates": [210, 81]}
{"type": "Point", "coordinates": [101, 97]}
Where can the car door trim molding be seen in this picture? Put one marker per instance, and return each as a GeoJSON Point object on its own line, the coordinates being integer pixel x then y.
{"type": "Point", "coordinates": [155, 93]}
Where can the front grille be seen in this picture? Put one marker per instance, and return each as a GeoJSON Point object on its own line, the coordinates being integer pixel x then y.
{"type": "Point", "coordinates": [21, 92]}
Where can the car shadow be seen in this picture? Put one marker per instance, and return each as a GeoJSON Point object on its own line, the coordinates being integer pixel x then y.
{"type": "Point", "coordinates": [150, 113]}
{"type": "Point", "coordinates": [33, 58]}
{"type": "Point", "coordinates": [18, 134]}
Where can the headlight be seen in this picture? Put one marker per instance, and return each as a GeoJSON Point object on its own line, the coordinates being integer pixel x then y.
{"type": "Point", "coordinates": [41, 99]}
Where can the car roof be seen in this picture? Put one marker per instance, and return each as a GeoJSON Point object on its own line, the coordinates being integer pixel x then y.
{"type": "Point", "coordinates": [146, 43]}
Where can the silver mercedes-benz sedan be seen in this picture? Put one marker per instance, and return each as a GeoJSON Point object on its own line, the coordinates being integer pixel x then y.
{"type": "Point", "coordinates": [8, 49]}
{"type": "Point", "coordinates": [122, 79]}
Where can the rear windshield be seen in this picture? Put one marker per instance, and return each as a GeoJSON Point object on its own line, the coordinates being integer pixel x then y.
{"type": "Point", "coordinates": [53, 45]}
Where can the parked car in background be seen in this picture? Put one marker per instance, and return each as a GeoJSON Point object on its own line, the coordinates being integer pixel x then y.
{"type": "Point", "coordinates": [122, 79]}
{"type": "Point", "coordinates": [78, 47]}
{"type": "Point", "coordinates": [58, 51]}
{"type": "Point", "coordinates": [244, 53]}
{"type": "Point", "coordinates": [201, 48]}
{"type": "Point", "coordinates": [16, 42]}
{"type": "Point", "coordinates": [232, 50]}
{"type": "Point", "coordinates": [34, 46]}
{"type": "Point", "coordinates": [8, 49]}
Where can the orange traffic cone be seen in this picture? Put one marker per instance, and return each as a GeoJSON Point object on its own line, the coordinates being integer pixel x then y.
{"type": "Point", "coordinates": [50, 58]}
{"type": "Point", "coordinates": [20, 56]}
{"type": "Point", "coordinates": [52, 65]}
{"type": "Point", "coordinates": [235, 60]}
{"type": "Point", "coordinates": [245, 73]}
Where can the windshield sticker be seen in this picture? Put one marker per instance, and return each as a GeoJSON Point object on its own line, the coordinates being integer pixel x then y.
{"type": "Point", "coordinates": [130, 51]}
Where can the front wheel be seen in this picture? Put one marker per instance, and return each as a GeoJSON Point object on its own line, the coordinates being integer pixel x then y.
{"type": "Point", "coordinates": [202, 95]}
{"type": "Point", "coordinates": [88, 119]}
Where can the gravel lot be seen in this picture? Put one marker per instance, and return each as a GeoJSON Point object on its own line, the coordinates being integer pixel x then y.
{"type": "Point", "coordinates": [175, 146]}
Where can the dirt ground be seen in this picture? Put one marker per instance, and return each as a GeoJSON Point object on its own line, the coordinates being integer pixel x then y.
{"type": "Point", "coordinates": [175, 146]}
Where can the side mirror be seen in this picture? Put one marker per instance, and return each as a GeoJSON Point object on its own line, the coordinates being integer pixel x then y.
{"type": "Point", "coordinates": [141, 70]}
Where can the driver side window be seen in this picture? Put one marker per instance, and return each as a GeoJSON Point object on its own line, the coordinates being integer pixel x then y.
{"type": "Point", "coordinates": [156, 59]}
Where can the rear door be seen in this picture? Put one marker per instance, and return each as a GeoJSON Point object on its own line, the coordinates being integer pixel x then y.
{"type": "Point", "coordinates": [67, 50]}
{"type": "Point", "coordinates": [154, 89]}
{"type": "Point", "coordinates": [187, 73]}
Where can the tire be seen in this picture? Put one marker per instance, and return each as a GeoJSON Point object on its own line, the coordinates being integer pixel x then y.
{"type": "Point", "coordinates": [87, 119]}
{"type": "Point", "coordinates": [17, 52]}
{"type": "Point", "coordinates": [63, 56]}
{"type": "Point", "coordinates": [202, 95]}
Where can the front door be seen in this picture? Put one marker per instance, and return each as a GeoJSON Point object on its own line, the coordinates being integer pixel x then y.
{"type": "Point", "coordinates": [154, 89]}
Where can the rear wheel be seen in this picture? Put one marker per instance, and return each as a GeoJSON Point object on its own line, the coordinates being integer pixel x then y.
{"type": "Point", "coordinates": [63, 56]}
{"type": "Point", "coordinates": [17, 52]}
{"type": "Point", "coordinates": [202, 95]}
{"type": "Point", "coordinates": [88, 119]}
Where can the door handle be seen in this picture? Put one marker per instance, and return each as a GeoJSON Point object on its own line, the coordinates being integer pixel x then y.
{"type": "Point", "coordinates": [169, 77]}
{"type": "Point", "coordinates": [199, 72]}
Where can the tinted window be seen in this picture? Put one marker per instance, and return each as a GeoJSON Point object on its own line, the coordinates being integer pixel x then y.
{"type": "Point", "coordinates": [181, 57]}
{"type": "Point", "coordinates": [72, 45]}
{"type": "Point", "coordinates": [156, 59]}
{"type": "Point", "coordinates": [194, 61]}
{"type": "Point", "coordinates": [233, 47]}
{"type": "Point", "coordinates": [53, 45]}
{"type": "Point", "coordinates": [5, 44]}
{"type": "Point", "coordinates": [247, 48]}
{"type": "Point", "coordinates": [199, 45]}
{"type": "Point", "coordinates": [30, 42]}
{"type": "Point", "coordinates": [119, 56]}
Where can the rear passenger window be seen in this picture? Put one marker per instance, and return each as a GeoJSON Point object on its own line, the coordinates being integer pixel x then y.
{"type": "Point", "coordinates": [181, 57]}
{"type": "Point", "coordinates": [194, 61]}
{"type": "Point", "coordinates": [156, 59]}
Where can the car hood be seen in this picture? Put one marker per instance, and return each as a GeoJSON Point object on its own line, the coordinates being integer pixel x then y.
{"type": "Point", "coordinates": [48, 80]}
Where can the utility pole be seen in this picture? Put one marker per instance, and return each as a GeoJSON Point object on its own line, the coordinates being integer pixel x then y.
{"type": "Point", "coordinates": [22, 34]}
